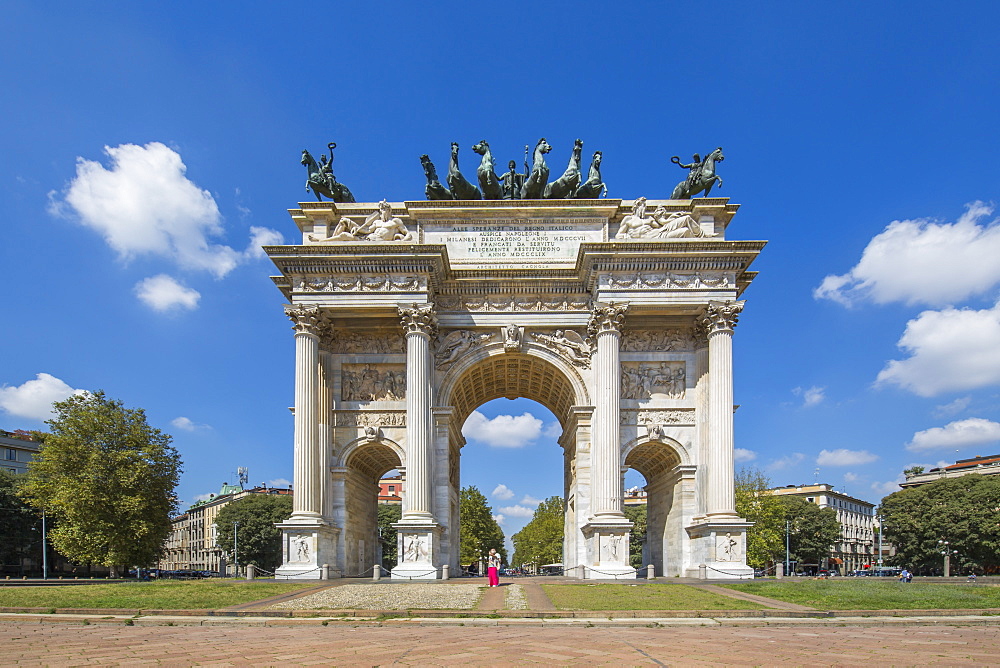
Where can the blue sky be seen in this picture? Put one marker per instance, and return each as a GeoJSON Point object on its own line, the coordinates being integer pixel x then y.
{"type": "Point", "coordinates": [147, 149]}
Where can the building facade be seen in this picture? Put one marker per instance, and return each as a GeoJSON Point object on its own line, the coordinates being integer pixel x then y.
{"type": "Point", "coordinates": [856, 549]}
{"type": "Point", "coordinates": [989, 465]}
{"type": "Point", "coordinates": [16, 450]}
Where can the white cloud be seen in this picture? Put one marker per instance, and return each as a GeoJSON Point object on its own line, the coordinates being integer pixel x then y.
{"type": "Point", "coordinates": [786, 462]}
{"type": "Point", "coordinates": [810, 397]}
{"type": "Point", "coordinates": [203, 497]}
{"type": "Point", "coordinates": [502, 492]}
{"type": "Point", "coordinates": [744, 455]}
{"type": "Point", "coordinates": [163, 293]}
{"type": "Point", "coordinates": [34, 398]}
{"type": "Point", "coordinates": [499, 519]}
{"type": "Point", "coordinates": [554, 430]}
{"type": "Point", "coordinates": [851, 477]}
{"type": "Point", "coordinates": [923, 262]}
{"type": "Point", "coordinates": [886, 488]}
{"type": "Point", "coordinates": [955, 435]}
{"type": "Point", "coordinates": [529, 500]}
{"type": "Point", "coordinates": [143, 204]}
{"type": "Point", "coordinates": [503, 431]}
{"type": "Point", "coordinates": [844, 457]}
{"type": "Point", "coordinates": [262, 236]}
{"type": "Point", "coordinates": [279, 482]}
{"type": "Point", "coordinates": [950, 350]}
{"type": "Point", "coordinates": [516, 511]}
{"type": "Point", "coordinates": [952, 408]}
{"type": "Point", "coordinates": [187, 425]}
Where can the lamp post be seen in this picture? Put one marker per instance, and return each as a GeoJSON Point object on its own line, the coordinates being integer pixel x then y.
{"type": "Point", "coordinates": [45, 550]}
{"type": "Point", "coordinates": [879, 519]}
{"type": "Point", "coordinates": [788, 525]}
{"type": "Point", "coordinates": [946, 552]}
{"type": "Point", "coordinates": [236, 547]}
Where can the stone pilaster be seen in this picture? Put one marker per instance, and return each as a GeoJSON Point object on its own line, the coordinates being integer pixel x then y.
{"type": "Point", "coordinates": [307, 457]}
{"type": "Point", "coordinates": [419, 323]}
{"type": "Point", "coordinates": [605, 328]}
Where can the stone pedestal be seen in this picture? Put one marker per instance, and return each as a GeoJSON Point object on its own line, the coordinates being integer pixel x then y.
{"type": "Point", "coordinates": [419, 551]}
{"type": "Point", "coordinates": [722, 547]}
{"type": "Point", "coordinates": [305, 547]}
{"type": "Point", "coordinates": [607, 550]}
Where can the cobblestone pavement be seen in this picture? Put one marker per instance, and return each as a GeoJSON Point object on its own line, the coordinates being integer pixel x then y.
{"type": "Point", "coordinates": [422, 596]}
{"type": "Point", "coordinates": [56, 644]}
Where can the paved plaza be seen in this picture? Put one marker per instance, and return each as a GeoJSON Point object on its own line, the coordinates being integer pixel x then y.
{"type": "Point", "coordinates": [63, 644]}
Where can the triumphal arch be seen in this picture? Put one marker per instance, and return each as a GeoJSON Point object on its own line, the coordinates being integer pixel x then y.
{"type": "Point", "coordinates": [617, 316]}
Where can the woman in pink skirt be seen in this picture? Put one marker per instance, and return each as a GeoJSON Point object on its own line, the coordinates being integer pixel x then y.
{"type": "Point", "coordinates": [493, 567]}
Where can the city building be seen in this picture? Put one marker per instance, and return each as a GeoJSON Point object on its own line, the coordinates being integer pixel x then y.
{"type": "Point", "coordinates": [989, 465]}
{"type": "Point", "coordinates": [390, 489]}
{"type": "Point", "coordinates": [16, 450]}
{"type": "Point", "coordinates": [856, 549]}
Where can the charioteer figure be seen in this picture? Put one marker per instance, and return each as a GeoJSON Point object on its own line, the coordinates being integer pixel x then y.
{"type": "Point", "coordinates": [512, 182]}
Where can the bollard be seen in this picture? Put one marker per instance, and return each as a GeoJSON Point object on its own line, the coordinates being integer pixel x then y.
{"type": "Point", "coordinates": [251, 571]}
{"type": "Point", "coordinates": [702, 572]}
{"type": "Point", "coordinates": [779, 571]}
{"type": "Point", "coordinates": [324, 573]}
{"type": "Point", "coordinates": [650, 572]}
{"type": "Point", "coordinates": [444, 571]}
{"type": "Point", "coordinates": [376, 572]}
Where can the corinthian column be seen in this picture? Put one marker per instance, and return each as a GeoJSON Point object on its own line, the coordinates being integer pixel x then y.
{"type": "Point", "coordinates": [719, 320]}
{"type": "Point", "coordinates": [306, 502]}
{"type": "Point", "coordinates": [419, 323]}
{"type": "Point", "coordinates": [605, 327]}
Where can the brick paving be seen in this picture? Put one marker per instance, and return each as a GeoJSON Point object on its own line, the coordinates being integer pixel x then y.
{"type": "Point", "coordinates": [808, 644]}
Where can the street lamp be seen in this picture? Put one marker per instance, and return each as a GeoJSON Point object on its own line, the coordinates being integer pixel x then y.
{"type": "Point", "coordinates": [879, 519]}
{"type": "Point", "coordinates": [788, 525]}
{"type": "Point", "coordinates": [946, 552]}
{"type": "Point", "coordinates": [236, 547]}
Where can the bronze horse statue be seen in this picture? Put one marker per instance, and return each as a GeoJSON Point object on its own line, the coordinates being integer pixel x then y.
{"type": "Point", "coordinates": [593, 187]}
{"type": "Point", "coordinates": [701, 178]}
{"type": "Point", "coordinates": [460, 187]}
{"type": "Point", "coordinates": [433, 189]}
{"type": "Point", "coordinates": [534, 187]}
{"type": "Point", "coordinates": [488, 180]}
{"type": "Point", "coordinates": [566, 185]}
{"type": "Point", "coordinates": [321, 179]}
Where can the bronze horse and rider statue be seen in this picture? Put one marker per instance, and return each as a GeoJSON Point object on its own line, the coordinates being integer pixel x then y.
{"type": "Point", "coordinates": [701, 175]}
{"type": "Point", "coordinates": [321, 179]}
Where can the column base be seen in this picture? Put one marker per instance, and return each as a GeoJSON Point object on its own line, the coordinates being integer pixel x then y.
{"type": "Point", "coordinates": [419, 550]}
{"type": "Point", "coordinates": [306, 545]}
{"type": "Point", "coordinates": [607, 541]}
{"type": "Point", "coordinates": [719, 544]}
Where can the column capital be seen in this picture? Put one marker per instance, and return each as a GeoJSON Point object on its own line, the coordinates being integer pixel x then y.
{"type": "Point", "coordinates": [721, 316]}
{"type": "Point", "coordinates": [418, 319]}
{"type": "Point", "coordinates": [608, 317]}
{"type": "Point", "coordinates": [305, 318]}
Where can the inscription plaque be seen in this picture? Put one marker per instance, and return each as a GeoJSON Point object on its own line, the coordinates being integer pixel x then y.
{"type": "Point", "coordinates": [514, 241]}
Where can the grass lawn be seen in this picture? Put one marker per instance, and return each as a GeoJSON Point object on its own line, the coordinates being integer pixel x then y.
{"type": "Point", "coordinates": [640, 597]}
{"type": "Point", "coordinates": [875, 594]}
{"type": "Point", "coordinates": [162, 595]}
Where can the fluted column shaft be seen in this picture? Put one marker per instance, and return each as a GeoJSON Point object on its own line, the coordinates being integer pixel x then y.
{"type": "Point", "coordinates": [419, 324]}
{"type": "Point", "coordinates": [719, 321]}
{"type": "Point", "coordinates": [308, 456]}
{"type": "Point", "coordinates": [605, 455]}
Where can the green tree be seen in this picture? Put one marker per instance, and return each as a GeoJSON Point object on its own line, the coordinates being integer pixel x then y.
{"type": "Point", "coordinates": [541, 540]}
{"type": "Point", "coordinates": [766, 538]}
{"type": "Point", "coordinates": [256, 540]}
{"type": "Point", "coordinates": [479, 531]}
{"type": "Point", "coordinates": [108, 480]}
{"type": "Point", "coordinates": [638, 514]}
{"type": "Point", "coordinates": [389, 514]}
{"type": "Point", "coordinates": [963, 511]}
{"type": "Point", "coordinates": [813, 530]}
{"type": "Point", "coordinates": [20, 525]}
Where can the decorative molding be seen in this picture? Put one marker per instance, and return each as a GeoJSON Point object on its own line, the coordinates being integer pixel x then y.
{"type": "Point", "coordinates": [653, 416]}
{"type": "Point", "coordinates": [662, 281]}
{"type": "Point", "coordinates": [376, 343]}
{"type": "Point", "coordinates": [359, 283]}
{"type": "Point", "coordinates": [657, 340]}
{"type": "Point", "coordinates": [457, 343]}
{"type": "Point", "coordinates": [305, 318]}
{"type": "Point", "coordinates": [608, 317]}
{"type": "Point", "coordinates": [512, 337]}
{"type": "Point", "coordinates": [369, 418]}
{"type": "Point", "coordinates": [419, 319]}
{"type": "Point", "coordinates": [642, 381]}
{"type": "Point", "coordinates": [721, 316]}
{"type": "Point", "coordinates": [567, 343]}
{"type": "Point", "coordinates": [506, 303]}
{"type": "Point", "coordinates": [373, 382]}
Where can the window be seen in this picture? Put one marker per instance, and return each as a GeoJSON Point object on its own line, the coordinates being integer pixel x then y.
{"type": "Point", "coordinates": [12, 454]}
{"type": "Point", "coordinates": [811, 499]}
{"type": "Point", "coordinates": [392, 489]}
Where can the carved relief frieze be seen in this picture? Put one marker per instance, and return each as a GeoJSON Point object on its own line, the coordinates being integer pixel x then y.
{"type": "Point", "coordinates": [642, 381]}
{"type": "Point", "coordinates": [511, 303]}
{"type": "Point", "coordinates": [373, 382]}
{"type": "Point", "coordinates": [667, 280]}
{"type": "Point", "coordinates": [376, 343]}
{"type": "Point", "coordinates": [454, 344]}
{"type": "Point", "coordinates": [369, 419]}
{"type": "Point", "coordinates": [669, 416]}
{"type": "Point", "coordinates": [568, 343]}
{"type": "Point", "coordinates": [657, 340]}
{"type": "Point", "coordinates": [359, 283]}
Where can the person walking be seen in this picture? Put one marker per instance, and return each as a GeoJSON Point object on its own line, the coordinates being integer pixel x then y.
{"type": "Point", "coordinates": [493, 567]}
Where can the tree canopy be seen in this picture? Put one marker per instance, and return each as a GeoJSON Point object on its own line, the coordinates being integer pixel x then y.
{"type": "Point", "coordinates": [541, 540]}
{"type": "Point", "coordinates": [389, 514]}
{"type": "Point", "coordinates": [963, 511]}
{"type": "Point", "coordinates": [766, 538]}
{"type": "Point", "coordinates": [813, 530]}
{"type": "Point", "coordinates": [20, 525]}
{"type": "Point", "coordinates": [256, 540]}
{"type": "Point", "coordinates": [108, 479]}
{"type": "Point", "coordinates": [479, 531]}
{"type": "Point", "coordinates": [639, 515]}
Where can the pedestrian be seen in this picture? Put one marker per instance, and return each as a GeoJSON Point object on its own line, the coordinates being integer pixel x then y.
{"type": "Point", "coordinates": [493, 567]}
